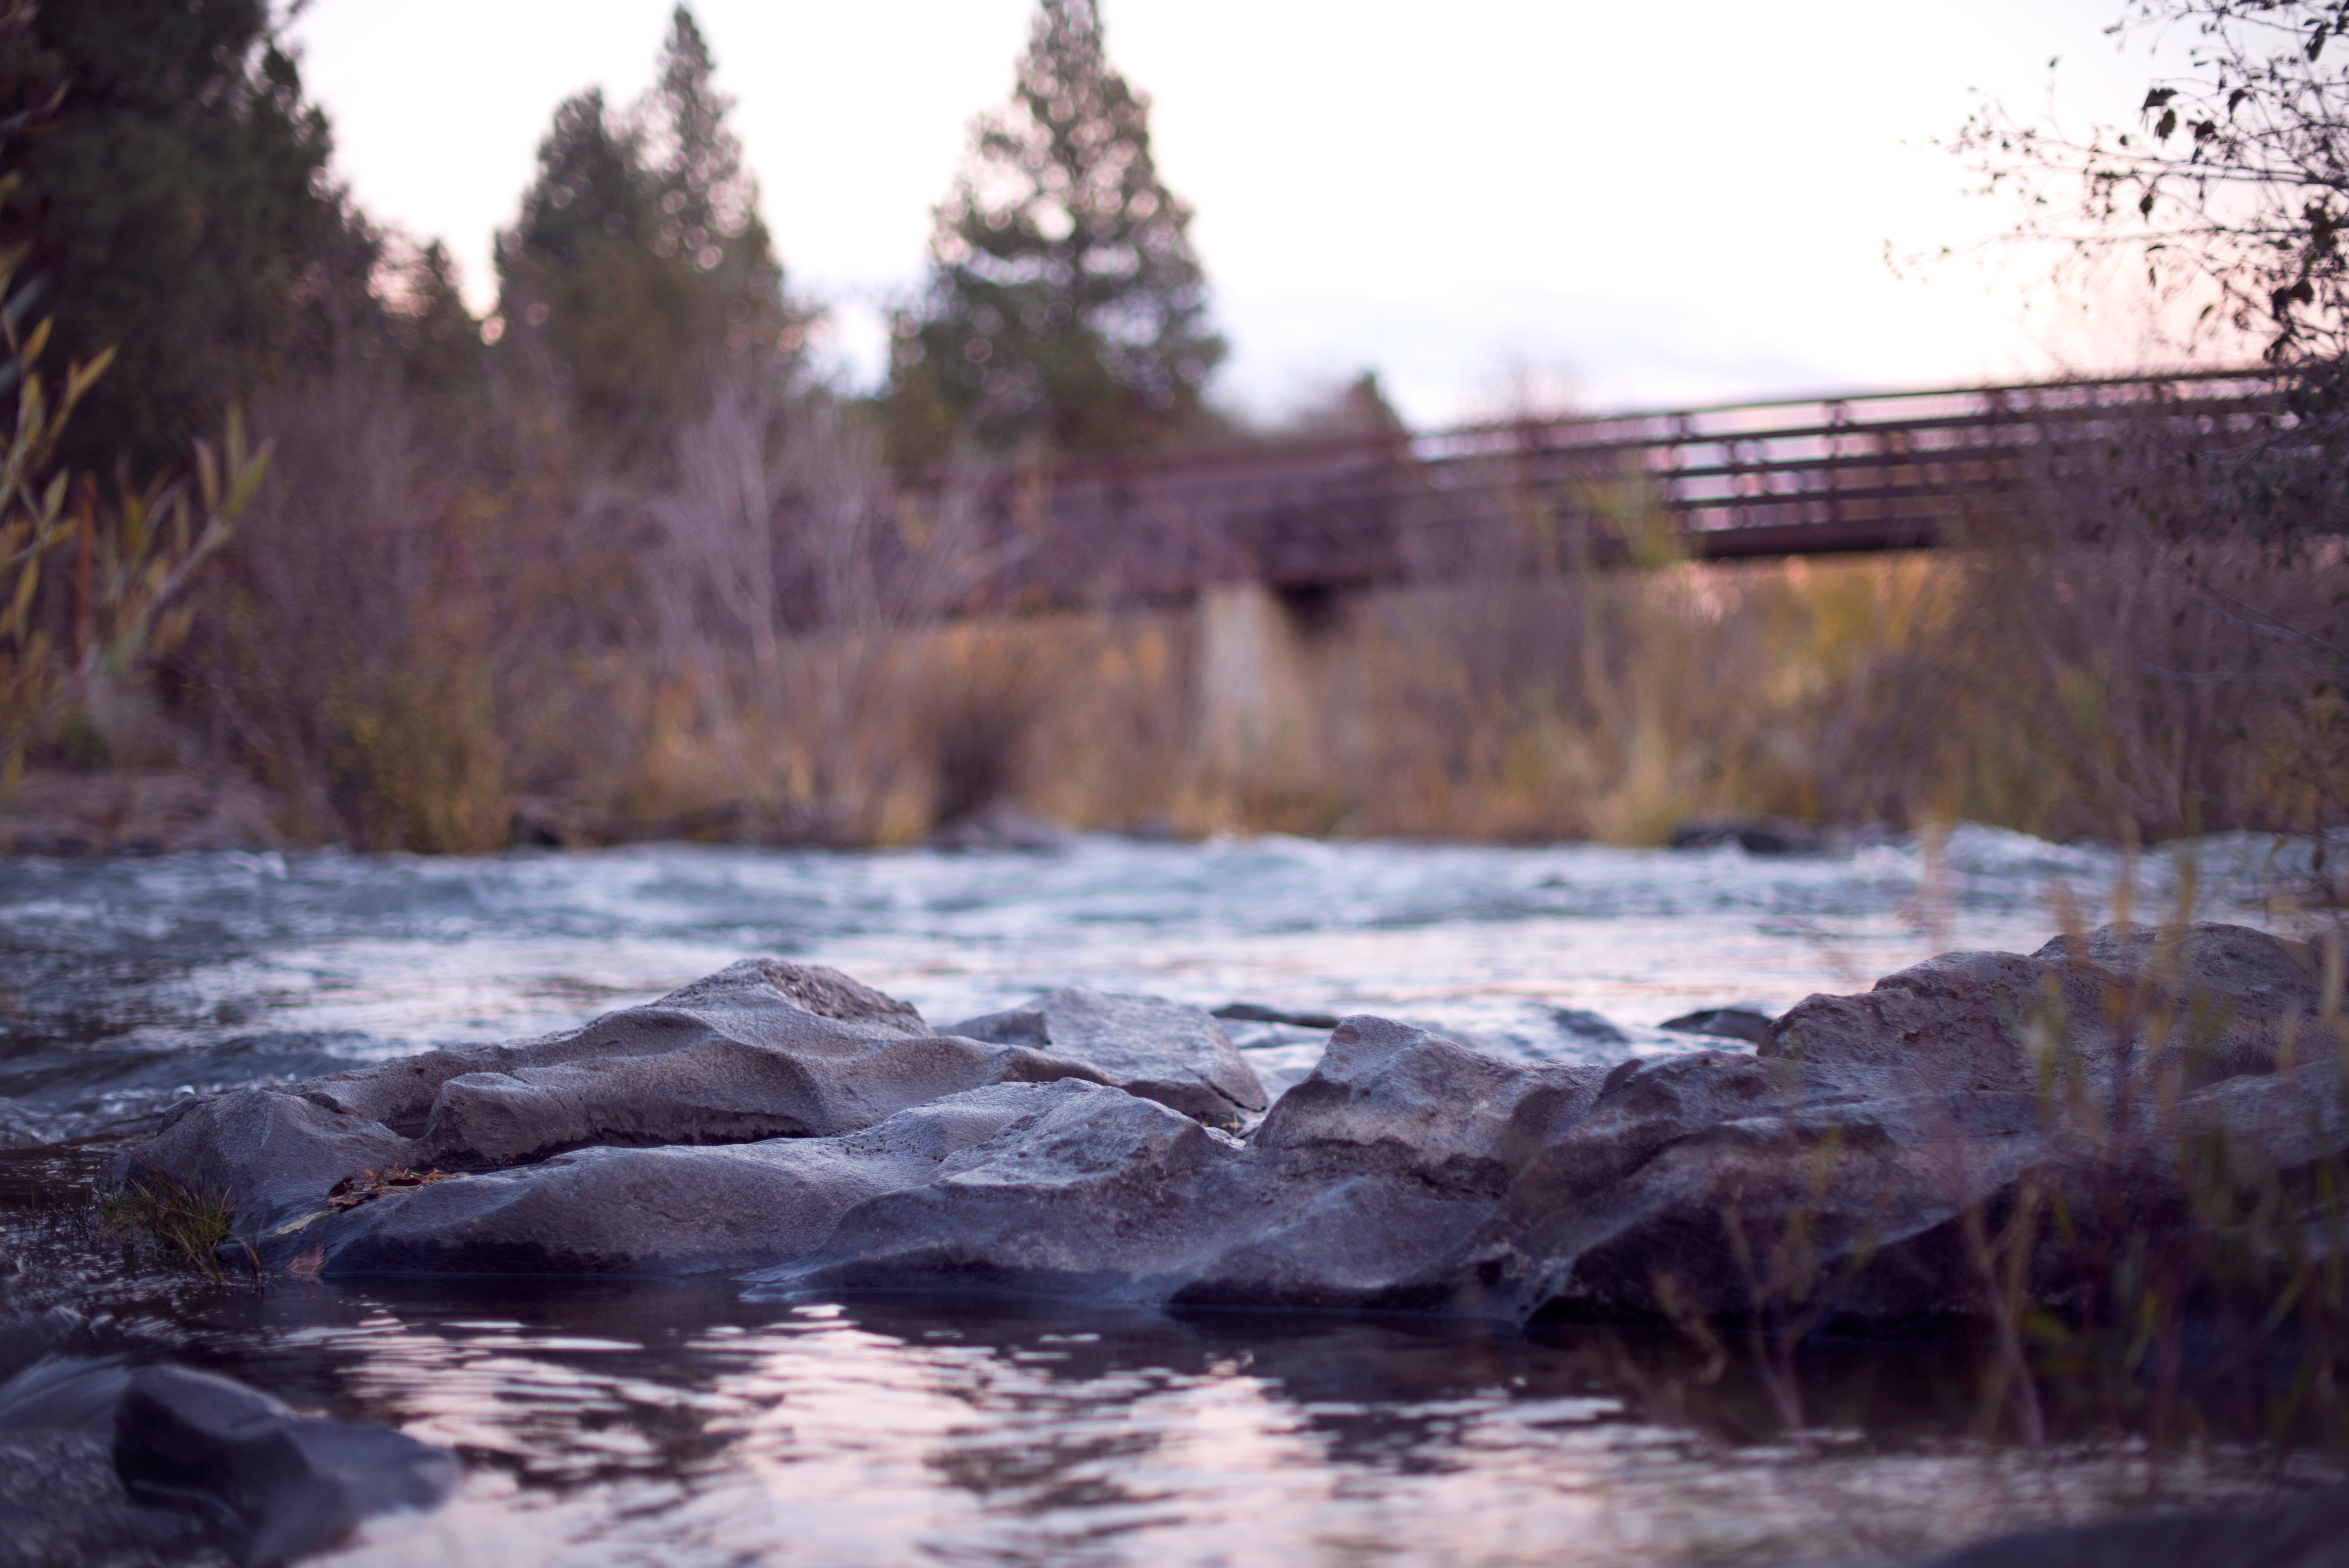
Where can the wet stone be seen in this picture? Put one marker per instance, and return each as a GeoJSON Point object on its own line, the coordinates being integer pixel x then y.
{"type": "Point", "coordinates": [785, 1126]}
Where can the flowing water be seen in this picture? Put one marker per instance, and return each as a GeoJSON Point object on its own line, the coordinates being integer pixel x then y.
{"type": "Point", "coordinates": [608, 1423]}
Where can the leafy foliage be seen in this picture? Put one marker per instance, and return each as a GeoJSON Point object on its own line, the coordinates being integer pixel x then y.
{"type": "Point", "coordinates": [172, 205]}
{"type": "Point", "coordinates": [1065, 300]}
{"type": "Point", "coordinates": [129, 572]}
{"type": "Point", "coordinates": [2234, 179]}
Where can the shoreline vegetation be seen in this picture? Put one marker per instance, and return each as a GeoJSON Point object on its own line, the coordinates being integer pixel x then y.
{"type": "Point", "coordinates": [614, 564]}
{"type": "Point", "coordinates": [2083, 693]}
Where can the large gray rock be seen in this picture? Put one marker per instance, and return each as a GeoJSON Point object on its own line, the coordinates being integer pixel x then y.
{"type": "Point", "coordinates": [2121, 1002]}
{"type": "Point", "coordinates": [265, 1151]}
{"type": "Point", "coordinates": [667, 1211]}
{"type": "Point", "coordinates": [1060, 1188]}
{"type": "Point", "coordinates": [761, 1049]}
{"type": "Point", "coordinates": [1362, 1189]}
{"type": "Point", "coordinates": [1161, 1050]}
{"type": "Point", "coordinates": [1105, 1195]}
{"type": "Point", "coordinates": [1370, 1181]}
{"type": "Point", "coordinates": [1853, 1167]}
{"type": "Point", "coordinates": [1711, 1184]}
{"type": "Point", "coordinates": [786, 1126]}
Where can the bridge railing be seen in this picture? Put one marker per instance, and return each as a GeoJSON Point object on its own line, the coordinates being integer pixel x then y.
{"type": "Point", "coordinates": [1861, 472]}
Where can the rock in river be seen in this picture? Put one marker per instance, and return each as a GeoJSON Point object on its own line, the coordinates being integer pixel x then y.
{"type": "Point", "coordinates": [786, 1126]}
{"type": "Point", "coordinates": [104, 1458]}
{"type": "Point", "coordinates": [1161, 1050]}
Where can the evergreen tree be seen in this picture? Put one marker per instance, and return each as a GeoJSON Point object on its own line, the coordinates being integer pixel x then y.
{"type": "Point", "coordinates": [172, 207]}
{"type": "Point", "coordinates": [639, 264]}
{"type": "Point", "coordinates": [1064, 300]}
{"type": "Point", "coordinates": [710, 202]}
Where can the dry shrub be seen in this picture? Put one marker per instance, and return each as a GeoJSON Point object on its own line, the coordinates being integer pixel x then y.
{"type": "Point", "coordinates": [424, 638]}
{"type": "Point", "coordinates": [2147, 644]}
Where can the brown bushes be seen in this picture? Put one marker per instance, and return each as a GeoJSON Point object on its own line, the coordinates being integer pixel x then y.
{"type": "Point", "coordinates": [424, 636]}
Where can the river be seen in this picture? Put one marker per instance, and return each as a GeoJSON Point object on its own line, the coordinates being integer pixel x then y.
{"type": "Point", "coordinates": [607, 1423]}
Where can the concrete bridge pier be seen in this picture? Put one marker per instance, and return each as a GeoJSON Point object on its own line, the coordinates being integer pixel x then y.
{"type": "Point", "coordinates": [1256, 709]}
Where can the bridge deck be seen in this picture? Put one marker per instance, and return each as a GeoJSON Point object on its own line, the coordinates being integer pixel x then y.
{"type": "Point", "coordinates": [1864, 472]}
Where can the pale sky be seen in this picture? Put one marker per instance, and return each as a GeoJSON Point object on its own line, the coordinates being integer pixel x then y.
{"type": "Point", "coordinates": [1631, 205]}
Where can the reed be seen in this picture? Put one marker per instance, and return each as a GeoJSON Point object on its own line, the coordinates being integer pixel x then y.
{"type": "Point", "coordinates": [183, 1223]}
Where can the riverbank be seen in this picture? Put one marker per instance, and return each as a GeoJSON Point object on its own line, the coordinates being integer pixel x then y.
{"type": "Point", "coordinates": [2067, 692]}
{"type": "Point", "coordinates": [61, 812]}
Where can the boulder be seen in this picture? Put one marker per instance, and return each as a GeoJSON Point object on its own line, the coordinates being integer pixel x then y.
{"type": "Point", "coordinates": [278, 1484]}
{"type": "Point", "coordinates": [2122, 1003]}
{"type": "Point", "coordinates": [671, 1211]}
{"type": "Point", "coordinates": [1393, 1097]}
{"type": "Point", "coordinates": [1162, 1050]}
{"type": "Point", "coordinates": [761, 1049]}
{"type": "Point", "coordinates": [1716, 1185]}
{"type": "Point", "coordinates": [1369, 1181]}
{"type": "Point", "coordinates": [1105, 1195]}
{"type": "Point", "coordinates": [104, 1459]}
{"type": "Point", "coordinates": [265, 1151]}
{"type": "Point", "coordinates": [788, 1127]}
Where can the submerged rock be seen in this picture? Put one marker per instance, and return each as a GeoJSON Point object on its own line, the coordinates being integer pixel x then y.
{"type": "Point", "coordinates": [1739, 1021]}
{"type": "Point", "coordinates": [1594, 1028]}
{"type": "Point", "coordinates": [789, 1128]}
{"type": "Point", "coordinates": [2307, 1533]}
{"type": "Point", "coordinates": [104, 1459]}
{"type": "Point", "coordinates": [999, 827]}
{"type": "Point", "coordinates": [1258, 1012]}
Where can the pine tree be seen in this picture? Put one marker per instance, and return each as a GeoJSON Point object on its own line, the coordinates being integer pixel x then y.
{"type": "Point", "coordinates": [710, 202]}
{"type": "Point", "coordinates": [639, 265]}
{"type": "Point", "coordinates": [1065, 300]}
{"type": "Point", "coordinates": [173, 208]}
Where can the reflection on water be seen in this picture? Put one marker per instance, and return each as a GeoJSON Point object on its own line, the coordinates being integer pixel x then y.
{"type": "Point", "coordinates": [619, 1425]}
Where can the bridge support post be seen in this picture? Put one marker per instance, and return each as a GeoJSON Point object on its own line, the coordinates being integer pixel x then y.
{"type": "Point", "coordinates": [1254, 711]}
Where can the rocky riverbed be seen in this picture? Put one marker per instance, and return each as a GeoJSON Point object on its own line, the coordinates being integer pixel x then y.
{"type": "Point", "coordinates": [787, 1125]}
{"type": "Point", "coordinates": [780, 1234]}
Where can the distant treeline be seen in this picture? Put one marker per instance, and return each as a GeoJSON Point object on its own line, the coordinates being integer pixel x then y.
{"type": "Point", "coordinates": [174, 195]}
{"type": "Point", "coordinates": [535, 577]}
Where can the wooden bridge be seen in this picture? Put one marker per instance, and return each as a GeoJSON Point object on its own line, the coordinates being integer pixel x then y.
{"type": "Point", "coordinates": [1866, 473]}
